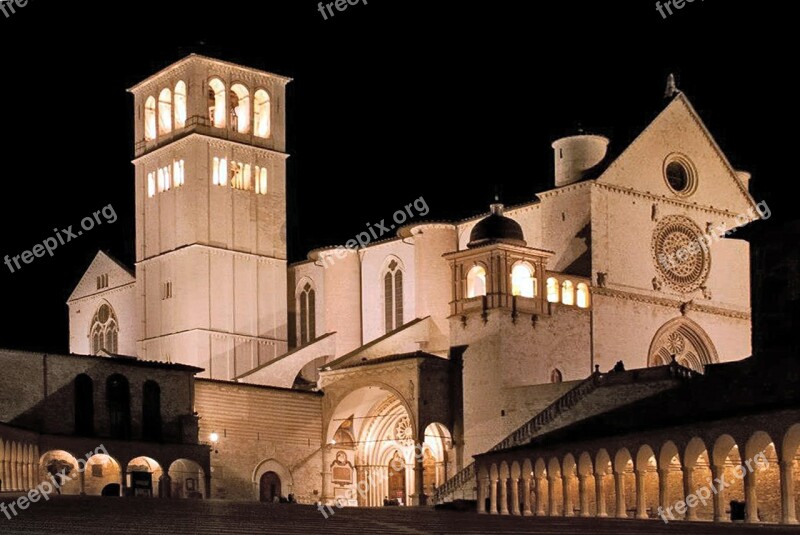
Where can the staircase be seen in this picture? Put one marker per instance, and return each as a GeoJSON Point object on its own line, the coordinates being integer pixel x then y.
{"type": "Point", "coordinates": [561, 406]}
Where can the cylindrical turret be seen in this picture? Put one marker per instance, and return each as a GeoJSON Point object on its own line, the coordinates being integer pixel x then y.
{"type": "Point", "coordinates": [576, 156]}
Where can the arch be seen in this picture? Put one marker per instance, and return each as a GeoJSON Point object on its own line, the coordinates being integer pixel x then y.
{"type": "Point", "coordinates": [84, 405]}
{"type": "Point", "coordinates": [761, 468]}
{"type": "Point", "coordinates": [180, 104]}
{"type": "Point", "coordinates": [140, 485]}
{"type": "Point", "coordinates": [216, 103]}
{"type": "Point", "coordinates": [164, 112]}
{"type": "Point", "coordinates": [568, 293]}
{"type": "Point", "coordinates": [150, 118]}
{"type": "Point", "coordinates": [55, 462]}
{"type": "Point", "coordinates": [694, 450]}
{"type": "Point", "coordinates": [523, 280]}
{"type": "Point", "coordinates": [476, 281]}
{"type": "Point", "coordinates": [392, 279]}
{"type": "Point", "coordinates": [585, 464]}
{"type": "Point", "coordinates": [187, 478]}
{"type": "Point", "coordinates": [685, 339]}
{"type": "Point", "coordinates": [438, 442]}
{"type": "Point", "coordinates": [103, 473]}
{"type": "Point", "coordinates": [583, 299]}
{"type": "Point", "coordinates": [553, 290]}
{"type": "Point", "coordinates": [540, 468]}
{"type": "Point", "coordinates": [261, 115]}
{"type": "Point", "coordinates": [118, 403]}
{"type": "Point", "coordinates": [104, 330]}
{"type": "Point", "coordinates": [240, 108]}
{"type": "Point", "coordinates": [647, 481]}
{"type": "Point", "coordinates": [556, 376]}
{"type": "Point", "coordinates": [151, 411]}
{"type": "Point", "coordinates": [790, 443]}
{"type": "Point", "coordinates": [697, 471]}
{"type": "Point", "coordinates": [262, 180]}
{"type": "Point", "coordinates": [725, 460]}
{"type": "Point", "coordinates": [285, 481]}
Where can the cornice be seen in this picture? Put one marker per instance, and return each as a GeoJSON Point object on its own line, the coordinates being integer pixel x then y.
{"type": "Point", "coordinates": [212, 142]}
{"type": "Point", "coordinates": [670, 302]}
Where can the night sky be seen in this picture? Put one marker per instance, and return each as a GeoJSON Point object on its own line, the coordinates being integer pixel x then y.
{"type": "Point", "coordinates": [391, 101]}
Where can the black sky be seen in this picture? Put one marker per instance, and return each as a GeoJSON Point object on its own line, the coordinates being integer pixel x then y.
{"type": "Point", "coordinates": [390, 101]}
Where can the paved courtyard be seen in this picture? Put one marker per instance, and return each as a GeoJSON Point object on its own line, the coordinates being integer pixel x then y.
{"type": "Point", "coordinates": [108, 516]}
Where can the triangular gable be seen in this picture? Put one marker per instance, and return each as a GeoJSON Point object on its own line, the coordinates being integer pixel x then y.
{"type": "Point", "coordinates": [678, 129]}
{"type": "Point", "coordinates": [103, 264]}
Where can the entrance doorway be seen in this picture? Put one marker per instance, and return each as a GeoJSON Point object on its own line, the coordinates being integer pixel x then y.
{"type": "Point", "coordinates": [397, 479]}
{"type": "Point", "coordinates": [270, 486]}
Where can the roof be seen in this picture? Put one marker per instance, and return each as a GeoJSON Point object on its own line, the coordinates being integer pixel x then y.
{"type": "Point", "coordinates": [389, 358]}
{"type": "Point", "coordinates": [123, 360]}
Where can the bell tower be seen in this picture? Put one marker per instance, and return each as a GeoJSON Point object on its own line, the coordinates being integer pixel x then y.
{"type": "Point", "coordinates": [211, 216]}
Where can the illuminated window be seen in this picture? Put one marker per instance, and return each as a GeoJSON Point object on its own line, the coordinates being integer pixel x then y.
{"type": "Point", "coordinates": [240, 108]}
{"type": "Point", "coordinates": [150, 119]}
{"type": "Point", "coordinates": [568, 293]}
{"type": "Point", "coordinates": [583, 296]}
{"type": "Point", "coordinates": [261, 180]}
{"type": "Point", "coordinates": [216, 102]}
{"type": "Point", "coordinates": [180, 104]}
{"type": "Point", "coordinates": [165, 112]}
{"type": "Point", "coordinates": [219, 175]}
{"type": "Point", "coordinates": [552, 290]}
{"type": "Point", "coordinates": [476, 282]}
{"type": "Point", "coordinates": [164, 175]}
{"type": "Point", "coordinates": [151, 184]}
{"type": "Point", "coordinates": [104, 332]}
{"type": "Point", "coordinates": [178, 173]}
{"type": "Point", "coordinates": [556, 376]}
{"type": "Point", "coordinates": [261, 114]}
{"type": "Point", "coordinates": [393, 297]}
{"type": "Point", "coordinates": [523, 282]}
{"type": "Point", "coordinates": [307, 306]}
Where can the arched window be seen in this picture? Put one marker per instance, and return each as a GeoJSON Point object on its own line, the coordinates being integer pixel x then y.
{"type": "Point", "coordinates": [582, 296]}
{"type": "Point", "coordinates": [523, 281]}
{"type": "Point", "coordinates": [180, 104]}
{"type": "Point", "coordinates": [216, 102]}
{"type": "Point", "coordinates": [219, 175]}
{"type": "Point", "coordinates": [568, 293]}
{"type": "Point", "coordinates": [240, 108]}
{"type": "Point", "coordinates": [261, 114]}
{"type": "Point", "coordinates": [476, 282]}
{"type": "Point", "coordinates": [552, 290]}
{"type": "Point", "coordinates": [118, 401]}
{"type": "Point", "coordinates": [150, 119]}
{"type": "Point", "coordinates": [308, 311]}
{"type": "Point", "coordinates": [84, 405]}
{"type": "Point", "coordinates": [393, 297]}
{"type": "Point", "coordinates": [151, 411]}
{"type": "Point", "coordinates": [105, 331]}
{"type": "Point", "coordinates": [555, 376]}
{"type": "Point", "coordinates": [261, 180]}
{"type": "Point", "coordinates": [165, 112]}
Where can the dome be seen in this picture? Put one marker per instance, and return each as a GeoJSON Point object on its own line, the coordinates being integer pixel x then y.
{"type": "Point", "coordinates": [496, 228]}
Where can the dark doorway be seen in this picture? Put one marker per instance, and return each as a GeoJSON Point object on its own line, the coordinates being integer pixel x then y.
{"type": "Point", "coordinates": [270, 486]}
{"type": "Point", "coordinates": [151, 411]}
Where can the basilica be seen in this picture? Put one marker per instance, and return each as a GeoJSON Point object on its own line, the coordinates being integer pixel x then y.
{"type": "Point", "coordinates": [383, 371]}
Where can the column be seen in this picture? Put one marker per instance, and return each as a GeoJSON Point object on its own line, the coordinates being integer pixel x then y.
{"type": "Point", "coordinates": [663, 489]}
{"type": "Point", "coordinates": [583, 494]}
{"type": "Point", "coordinates": [492, 496]}
{"type": "Point", "coordinates": [551, 496]}
{"type": "Point", "coordinates": [14, 473]}
{"type": "Point", "coordinates": [514, 496]}
{"type": "Point", "coordinates": [568, 510]}
{"type": "Point", "coordinates": [503, 495]}
{"type": "Point", "coordinates": [641, 497]}
{"type": "Point", "coordinates": [718, 472]}
{"type": "Point", "coordinates": [619, 481]}
{"type": "Point", "coordinates": [327, 485]}
{"type": "Point", "coordinates": [751, 497]}
{"type": "Point", "coordinates": [688, 488]}
{"type": "Point", "coordinates": [82, 475]}
{"type": "Point", "coordinates": [31, 481]}
{"type": "Point", "coordinates": [526, 496]}
{"type": "Point", "coordinates": [419, 474]}
{"type": "Point", "coordinates": [540, 511]}
{"type": "Point", "coordinates": [788, 513]}
{"type": "Point", "coordinates": [482, 496]}
{"type": "Point", "coordinates": [3, 481]}
{"type": "Point", "coordinates": [600, 494]}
